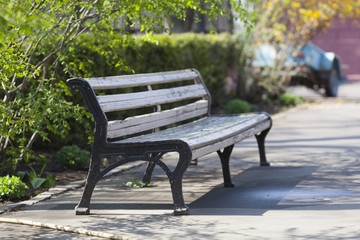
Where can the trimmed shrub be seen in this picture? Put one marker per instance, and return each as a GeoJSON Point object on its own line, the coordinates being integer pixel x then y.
{"type": "Point", "coordinates": [73, 157]}
{"type": "Point", "coordinates": [12, 187]}
{"type": "Point", "coordinates": [287, 99]}
{"type": "Point", "coordinates": [215, 56]}
{"type": "Point", "coordinates": [238, 106]}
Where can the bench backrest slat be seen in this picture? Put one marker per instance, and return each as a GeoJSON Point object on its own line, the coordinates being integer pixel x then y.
{"type": "Point", "coordinates": [136, 80]}
{"type": "Point", "coordinates": [126, 101]}
{"type": "Point", "coordinates": [175, 96]}
{"type": "Point", "coordinates": [145, 122]}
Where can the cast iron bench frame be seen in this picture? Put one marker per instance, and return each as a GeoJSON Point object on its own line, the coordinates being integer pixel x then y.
{"type": "Point", "coordinates": [191, 140]}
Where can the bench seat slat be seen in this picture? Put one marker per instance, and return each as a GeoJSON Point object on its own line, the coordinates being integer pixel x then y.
{"type": "Point", "coordinates": [113, 82]}
{"type": "Point", "coordinates": [146, 122]}
{"type": "Point", "coordinates": [126, 101]}
{"type": "Point", "coordinates": [196, 153]}
{"type": "Point", "coordinates": [206, 131]}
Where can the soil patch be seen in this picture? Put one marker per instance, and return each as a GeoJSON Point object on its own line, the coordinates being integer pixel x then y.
{"type": "Point", "coordinates": [62, 177]}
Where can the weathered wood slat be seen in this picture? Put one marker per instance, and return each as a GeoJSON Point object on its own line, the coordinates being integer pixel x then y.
{"type": "Point", "coordinates": [154, 120]}
{"type": "Point", "coordinates": [207, 131]}
{"type": "Point", "coordinates": [126, 101]}
{"type": "Point", "coordinates": [113, 82]}
{"type": "Point", "coordinates": [223, 133]}
{"type": "Point", "coordinates": [145, 95]}
{"type": "Point", "coordinates": [199, 152]}
{"type": "Point", "coordinates": [203, 127]}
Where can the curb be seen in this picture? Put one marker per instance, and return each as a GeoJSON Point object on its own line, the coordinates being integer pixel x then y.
{"type": "Point", "coordinates": [69, 229]}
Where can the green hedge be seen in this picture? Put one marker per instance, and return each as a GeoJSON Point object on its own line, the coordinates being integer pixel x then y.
{"type": "Point", "coordinates": [215, 56]}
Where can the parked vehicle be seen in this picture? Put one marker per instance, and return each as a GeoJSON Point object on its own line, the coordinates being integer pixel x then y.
{"type": "Point", "coordinates": [312, 67]}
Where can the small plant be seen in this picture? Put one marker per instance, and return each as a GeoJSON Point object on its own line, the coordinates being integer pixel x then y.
{"type": "Point", "coordinates": [12, 187]}
{"type": "Point", "coordinates": [287, 99]}
{"type": "Point", "coordinates": [238, 106]}
{"type": "Point", "coordinates": [37, 181]}
{"type": "Point", "coordinates": [137, 184]}
{"type": "Point", "coordinates": [73, 157]}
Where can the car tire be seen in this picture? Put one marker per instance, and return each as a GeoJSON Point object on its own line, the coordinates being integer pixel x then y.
{"type": "Point", "coordinates": [331, 84]}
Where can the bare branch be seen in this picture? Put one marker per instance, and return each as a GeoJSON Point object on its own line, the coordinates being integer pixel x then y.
{"type": "Point", "coordinates": [30, 143]}
{"type": "Point", "coordinates": [56, 62]}
{"type": "Point", "coordinates": [36, 7]}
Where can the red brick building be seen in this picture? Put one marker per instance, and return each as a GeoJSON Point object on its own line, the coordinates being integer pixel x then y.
{"type": "Point", "coordinates": [344, 40]}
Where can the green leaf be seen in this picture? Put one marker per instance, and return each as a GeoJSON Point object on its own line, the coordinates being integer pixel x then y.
{"type": "Point", "coordinates": [20, 174]}
{"type": "Point", "coordinates": [31, 175]}
{"type": "Point", "coordinates": [137, 184]}
{"type": "Point", "coordinates": [37, 182]}
{"type": "Point", "coordinates": [129, 184]}
{"type": "Point", "coordinates": [50, 180]}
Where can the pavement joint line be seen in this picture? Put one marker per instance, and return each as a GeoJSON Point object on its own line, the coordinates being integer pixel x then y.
{"type": "Point", "coordinates": [62, 189]}
{"type": "Point", "coordinates": [69, 229]}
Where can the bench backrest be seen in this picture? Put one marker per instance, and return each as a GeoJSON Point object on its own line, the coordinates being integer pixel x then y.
{"type": "Point", "coordinates": [149, 90]}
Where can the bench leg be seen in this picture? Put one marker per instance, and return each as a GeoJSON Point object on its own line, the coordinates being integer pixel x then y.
{"type": "Point", "coordinates": [156, 156]}
{"type": "Point", "coordinates": [175, 179]}
{"type": "Point", "coordinates": [148, 172]}
{"type": "Point", "coordinates": [83, 208]}
{"type": "Point", "coordinates": [225, 158]}
{"type": "Point", "coordinates": [179, 204]}
{"type": "Point", "coordinates": [261, 143]}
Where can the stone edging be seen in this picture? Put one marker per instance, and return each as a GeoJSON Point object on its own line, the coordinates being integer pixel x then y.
{"type": "Point", "coordinates": [69, 229]}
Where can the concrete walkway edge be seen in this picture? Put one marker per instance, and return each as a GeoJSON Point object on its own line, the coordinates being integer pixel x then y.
{"type": "Point", "coordinates": [63, 228]}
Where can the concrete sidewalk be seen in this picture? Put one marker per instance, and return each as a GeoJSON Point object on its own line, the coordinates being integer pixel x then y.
{"type": "Point", "coordinates": [311, 190]}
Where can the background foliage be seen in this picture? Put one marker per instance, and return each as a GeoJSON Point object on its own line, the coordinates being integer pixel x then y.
{"type": "Point", "coordinates": [35, 35]}
{"type": "Point", "coordinates": [41, 46]}
{"type": "Point", "coordinates": [73, 157]}
{"type": "Point", "coordinates": [217, 57]}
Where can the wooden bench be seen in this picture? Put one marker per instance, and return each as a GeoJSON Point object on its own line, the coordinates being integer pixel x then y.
{"type": "Point", "coordinates": [179, 121]}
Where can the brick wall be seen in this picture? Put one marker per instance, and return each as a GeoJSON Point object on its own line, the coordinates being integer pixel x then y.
{"type": "Point", "coordinates": [344, 40]}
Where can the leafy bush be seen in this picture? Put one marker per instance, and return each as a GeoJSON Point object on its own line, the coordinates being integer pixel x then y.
{"type": "Point", "coordinates": [73, 157]}
{"type": "Point", "coordinates": [12, 187]}
{"type": "Point", "coordinates": [238, 106]}
{"type": "Point", "coordinates": [287, 99]}
{"type": "Point", "coordinates": [37, 181]}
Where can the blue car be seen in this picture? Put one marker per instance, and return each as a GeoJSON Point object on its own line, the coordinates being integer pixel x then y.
{"type": "Point", "coordinates": [312, 67]}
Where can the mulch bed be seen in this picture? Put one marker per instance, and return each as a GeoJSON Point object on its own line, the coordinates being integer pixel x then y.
{"type": "Point", "coordinates": [62, 177]}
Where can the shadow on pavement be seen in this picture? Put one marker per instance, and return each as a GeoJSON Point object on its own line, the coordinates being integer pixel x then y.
{"type": "Point", "coordinates": [256, 191]}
